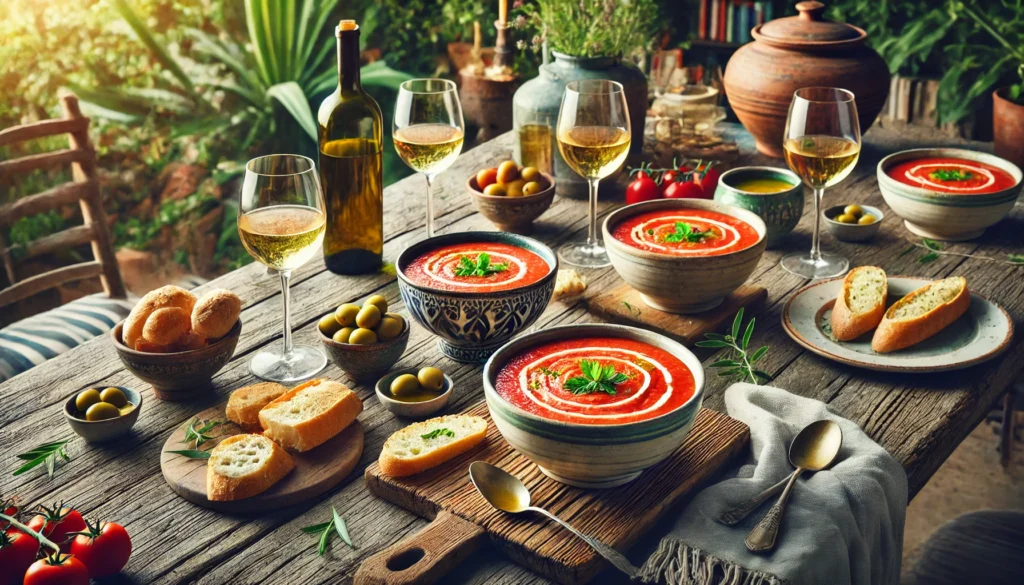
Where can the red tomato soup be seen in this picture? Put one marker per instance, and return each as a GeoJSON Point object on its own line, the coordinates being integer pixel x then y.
{"type": "Point", "coordinates": [686, 232]}
{"type": "Point", "coordinates": [956, 176]}
{"type": "Point", "coordinates": [555, 381]}
{"type": "Point", "coordinates": [477, 267]}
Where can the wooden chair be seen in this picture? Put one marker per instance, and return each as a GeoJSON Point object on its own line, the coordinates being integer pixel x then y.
{"type": "Point", "coordinates": [83, 189]}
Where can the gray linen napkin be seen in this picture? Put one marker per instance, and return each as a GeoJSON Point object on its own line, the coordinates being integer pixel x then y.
{"type": "Point", "coordinates": [843, 525]}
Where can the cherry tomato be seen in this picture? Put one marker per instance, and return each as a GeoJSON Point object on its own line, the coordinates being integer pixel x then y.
{"type": "Point", "coordinates": [684, 190]}
{"type": "Point", "coordinates": [668, 178]}
{"type": "Point", "coordinates": [57, 570]}
{"type": "Point", "coordinates": [709, 181]}
{"type": "Point", "coordinates": [57, 524]}
{"type": "Point", "coordinates": [17, 552]}
{"type": "Point", "coordinates": [104, 550]}
{"type": "Point", "coordinates": [642, 188]}
{"type": "Point", "coordinates": [9, 508]}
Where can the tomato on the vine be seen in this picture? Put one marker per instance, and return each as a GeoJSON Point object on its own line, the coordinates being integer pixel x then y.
{"type": "Point", "coordinates": [17, 552]}
{"type": "Point", "coordinates": [58, 524]}
{"type": "Point", "coordinates": [668, 178]}
{"type": "Point", "coordinates": [9, 508]}
{"type": "Point", "coordinates": [104, 548]}
{"type": "Point", "coordinates": [643, 188]}
{"type": "Point", "coordinates": [707, 177]}
{"type": "Point", "coordinates": [57, 569]}
{"type": "Point", "coordinates": [684, 190]}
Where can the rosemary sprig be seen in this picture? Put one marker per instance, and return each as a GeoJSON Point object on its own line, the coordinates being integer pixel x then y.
{"type": "Point", "coordinates": [46, 454]}
{"type": "Point", "coordinates": [198, 434]}
{"type": "Point", "coordinates": [192, 453]}
{"type": "Point", "coordinates": [934, 249]}
{"type": "Point", "coordinates": [336, 525]}
{"type": "Point", "coordinates": [480, 267]}
{"type": "Point", "coordinates": [629, 306]}
{"type": "Point", "coordinates": [740, 363]}
{"type": "Point", "coordinates": [441, 432]}
{"type": "Point", "coordinates": [595, 378]}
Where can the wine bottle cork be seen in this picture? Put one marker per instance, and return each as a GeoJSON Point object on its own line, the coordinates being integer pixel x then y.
{"type": "Point", "coordinates": [347, 25]}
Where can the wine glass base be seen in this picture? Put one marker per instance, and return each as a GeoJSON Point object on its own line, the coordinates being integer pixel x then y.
{"type": "Point", "coordinates": [584, 255]}
{"type": "Point", "coordinates": [827, 266]}
{"type": "Point", "coordinates": [273, 365]}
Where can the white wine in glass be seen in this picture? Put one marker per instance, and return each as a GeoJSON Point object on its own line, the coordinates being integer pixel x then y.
{"type": "Point", "coordinates": [822, 145]}
{"type": "Point", "coordinates": [281, 224]}
{"type": "Point", "coordinates": [428, 130]}
{"type": "Point", "coordinates": [593, 137]}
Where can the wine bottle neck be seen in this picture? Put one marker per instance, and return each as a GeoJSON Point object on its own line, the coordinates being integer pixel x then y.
{"type": "Point", "coordinates": [348, 60]}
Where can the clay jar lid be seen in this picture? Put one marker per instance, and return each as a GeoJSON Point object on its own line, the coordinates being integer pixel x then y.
{"type": "Point", "coordinates": [809, 30]}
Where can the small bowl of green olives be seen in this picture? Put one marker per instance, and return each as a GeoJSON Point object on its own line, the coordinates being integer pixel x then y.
{"type": "Point", "coordinates": [853, 223]}
{"type": "Point", "coordinates": [415, 392]}
{"type": "Point", "coordinates": [364, 340]}
{"type": "Point", "coordinates": [103, 413]}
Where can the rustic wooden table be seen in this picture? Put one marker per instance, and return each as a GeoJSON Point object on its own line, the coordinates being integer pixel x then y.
{"type": "Point", "coordinates": [919, 419]}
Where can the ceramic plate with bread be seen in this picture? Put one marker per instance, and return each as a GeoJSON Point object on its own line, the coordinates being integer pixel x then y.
{"type": "Point", "coordinates": [895, 323]}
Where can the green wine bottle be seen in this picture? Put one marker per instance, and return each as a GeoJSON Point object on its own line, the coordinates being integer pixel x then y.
{"type": "Point", "coordinates": [351, 127]}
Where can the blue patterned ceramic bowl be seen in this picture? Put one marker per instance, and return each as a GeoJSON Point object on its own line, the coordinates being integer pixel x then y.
{"type": "Point", "coordinates": [592, 456]}
{"type": "Point", "coordinates": [472, 325]}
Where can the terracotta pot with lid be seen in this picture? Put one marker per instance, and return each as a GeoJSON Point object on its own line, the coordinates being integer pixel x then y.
{"type": "Point", "coordinates": [801, 51]}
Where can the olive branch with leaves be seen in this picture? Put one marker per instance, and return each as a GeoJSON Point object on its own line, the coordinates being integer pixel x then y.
{"type": "Point", "coordinates": [740, 364]}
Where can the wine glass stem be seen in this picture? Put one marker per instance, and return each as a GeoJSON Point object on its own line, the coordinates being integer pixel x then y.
{"type": "Point", "coordinates": [286, 276]}
{"type": "Point", "coordinates": [592, 232]}
{"type": "Point", "coordinates": [430, 206]}
{"type": "Point", "coordinates": [819, 193]}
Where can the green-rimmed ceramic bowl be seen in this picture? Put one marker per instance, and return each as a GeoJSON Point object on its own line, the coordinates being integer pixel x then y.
{"type": "Point", "coordinates": [583, 455]}
{"type": "Point", "coordinates": [780, 211]}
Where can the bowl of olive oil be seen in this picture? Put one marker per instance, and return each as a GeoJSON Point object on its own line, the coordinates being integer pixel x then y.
{"type": "Point", "coordinates": [774, 194]}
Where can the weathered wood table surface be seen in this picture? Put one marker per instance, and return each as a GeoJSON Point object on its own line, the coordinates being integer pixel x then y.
{"type": "Point", "coordinates": [918, 418]}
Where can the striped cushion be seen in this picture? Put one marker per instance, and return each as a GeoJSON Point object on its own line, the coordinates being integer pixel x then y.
{"type": "Point", "coordinates": [33, 340]}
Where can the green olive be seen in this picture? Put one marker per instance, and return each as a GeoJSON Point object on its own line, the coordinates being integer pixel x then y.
{"type": "Point", "coordinates": [102, 411]}
{"type": "Point", "coordinates": [431, 379]}
{"type": "Point", "coordinates": [854, 210]}
{"type": "Point", "coordinates": [368, 317]}
{"type": "Point", "coordinates": [844, 218]}
{"type": "Point", "coordinates": [87, 398]}
{"type": "Point", "coordinates": [378, 301]}
{"type": "Point", "coordinates": [329, 325]}
{"type": "Point", "coordinates": [362, 336]}
{"type": "Point", "coordinates": [346, 314]}
{"type": "Point", "coordinates": [114, 396]}
{"type": "Point", "coordinates": [390, 327]}
{"type": "Point", "coordinates": [342, 335]}
{"type": "Point", "coordinates": [866, 219]}
{"type": "Point", "coordinates": [405, 385]}
{"type": "Point", "coordinates": [496, 190]}
{"type": "Point", "coordinates": [529, 174]}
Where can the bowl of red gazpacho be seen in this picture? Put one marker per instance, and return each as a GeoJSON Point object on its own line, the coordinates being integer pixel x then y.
{"type": "Point", "coordinates": [684, 255]}
{"type": "Point", "coordinates": [594, 405]}
{"type": "Point", "coordinates": [476, 290]}
{"type": "Point", "coordinates": [948, 193]}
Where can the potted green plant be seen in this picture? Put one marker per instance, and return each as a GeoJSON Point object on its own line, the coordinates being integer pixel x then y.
{"type": "Point", "coordinates": [589, 39]}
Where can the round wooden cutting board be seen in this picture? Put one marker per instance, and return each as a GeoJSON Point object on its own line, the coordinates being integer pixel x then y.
{"type": "Point", "coordinates": [316, 470]}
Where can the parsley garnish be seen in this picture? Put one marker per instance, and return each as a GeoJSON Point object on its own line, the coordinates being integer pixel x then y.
{"type": "Point", "coordinates": [438, 433]}
{"type": "Point", "coordinates": [685, 233]}
{"type": "Point", "coordinates": [482, 266]}
{"type": "Point", "coordinates": [951, 175]}
{"type": "Point", "coordinates": [595, 378]}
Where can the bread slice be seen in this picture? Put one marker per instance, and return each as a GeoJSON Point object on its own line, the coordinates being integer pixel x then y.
{"type": "Point", "coordinates": [245, 404]}
{"type": "Point", "coordinates": [921, 314]}
{"type": "Point", "coordinates": [861, 303]}
{"type": "Point", "coordinates": [243, 466]}
{"type": "Point", "coordinates": [427, 444]}
{"type": "Point", "coordinates": [310, 414]}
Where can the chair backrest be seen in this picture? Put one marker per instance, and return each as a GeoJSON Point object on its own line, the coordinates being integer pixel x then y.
{"type": "Point", "coordinates": [83, 189]}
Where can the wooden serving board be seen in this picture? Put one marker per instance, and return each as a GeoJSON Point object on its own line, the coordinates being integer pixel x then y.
{"type": "Point", "coordinates": [461, 517]}
{"type": "Point", "coordinates": [623, 304]}
{"type": "Point", "coordinates": [315, 472]}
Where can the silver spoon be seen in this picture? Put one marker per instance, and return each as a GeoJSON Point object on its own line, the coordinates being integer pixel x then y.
{"type": "Point", "coordinates": [507, 493]}
{"type": "Point", "coordinates": [813, 449]}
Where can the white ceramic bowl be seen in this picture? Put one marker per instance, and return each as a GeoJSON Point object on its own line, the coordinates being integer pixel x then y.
{"type": "Point", "coordinates": [683, 284]}
{"type": "Point", "coordinates": [591, 456]}
{"type": "Point", "coordinates": [942, 216]}
{"type": "Point", "coordinates": [412, 409]}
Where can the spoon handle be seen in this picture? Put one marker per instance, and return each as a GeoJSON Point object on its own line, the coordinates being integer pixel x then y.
{"type": "Point", "coordinates": [610, 554]}
{"type": "Point", "coordinates": [734, 515]}
{"type": "Point", "coordinates": [762, 537]}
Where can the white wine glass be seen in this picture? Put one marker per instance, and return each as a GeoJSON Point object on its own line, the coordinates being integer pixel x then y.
{"type": "Point", "coordinates": [822, 145]}
{"type": "Point", "coordinates": [281, 224]}
{"type": "Point", "coordinates": [428, 130]}
{"type": "Point", "coordinates": [593, 137]}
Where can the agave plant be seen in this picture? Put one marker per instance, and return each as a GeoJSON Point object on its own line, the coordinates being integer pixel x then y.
{"type": "Point", "coordinates": [287, 63]}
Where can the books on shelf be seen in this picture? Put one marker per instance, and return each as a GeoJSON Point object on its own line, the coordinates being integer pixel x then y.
{"type": "Point", "coordinates": [730, 21]}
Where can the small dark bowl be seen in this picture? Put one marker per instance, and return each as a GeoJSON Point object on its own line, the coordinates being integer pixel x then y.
{"type": "Point", "coordinates": [512, 214]}
{"type": "Point", "coordinates": [364, 362]}
{"type": "Point", "coordinates": [103, 430]}
{"type": "Point", "coordinates": [181, 375]}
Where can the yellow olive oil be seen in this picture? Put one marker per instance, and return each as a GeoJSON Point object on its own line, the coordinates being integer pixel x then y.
{"type": "Point", "coordinates": [764, 185]}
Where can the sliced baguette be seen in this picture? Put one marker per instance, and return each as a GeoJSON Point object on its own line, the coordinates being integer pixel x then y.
{"type": "Point", "coordinates": [309, 414]}
{"type": "Point", "coordinates": [410, 451]}
{"type": "Point", "coordinates": [861, 303]}
{"type": "Point", "coordinates": [245, 404]}
{"type": "Point", "coordinates": [243, 466]}
{"type": "Point", "coordinates": [921, 314]}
